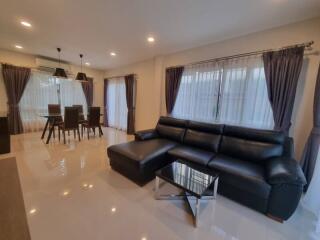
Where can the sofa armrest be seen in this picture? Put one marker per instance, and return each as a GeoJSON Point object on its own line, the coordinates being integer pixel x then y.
{"type": "Point", "coordinates": [283, 170]}
{"type": "Point", "coordinates": [287, 180]}
{"type": "Point", "coordinates": [146, 135]}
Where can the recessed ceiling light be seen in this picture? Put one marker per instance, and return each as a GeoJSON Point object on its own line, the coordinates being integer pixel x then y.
{"type": "Point", "coordinates": [150, 39]}
{"type": "Point", "coordinates": [18, 46]}
{"type": "Point", "coordinates": [65, 193]}
{"type": "Point", "coordinates": [113, 54]}
{"type": "Point", "coordinates": [113, 209]}
{"type": "Point", "coordinates": [32, 211]}
{"type": "Point", "coordinates": [90, 186]}
{"type": "Point", "coordinates": [26, 24]}
{"type": "Point", "coordinates": [87, 63]}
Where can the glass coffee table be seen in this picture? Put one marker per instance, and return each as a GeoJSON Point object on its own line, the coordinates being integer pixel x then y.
{"type": "Point", "coordinates": [195, 184]}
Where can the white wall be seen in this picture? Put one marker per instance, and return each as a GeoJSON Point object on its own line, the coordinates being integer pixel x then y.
{"type": "Point", "coordinates": [274, 38]}
{"type": "Point", "coordinates": [26, 60]}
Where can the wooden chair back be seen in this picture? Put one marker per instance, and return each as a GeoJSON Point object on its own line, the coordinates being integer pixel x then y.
{"type": "Point", "coordinates": [94, 116]}
{"type": "Point", "coordinates": [71, 117]}
{"type": "Point", "coordinates": [80, 108]}
{"type": "Point", "coordinates": [55, 109]}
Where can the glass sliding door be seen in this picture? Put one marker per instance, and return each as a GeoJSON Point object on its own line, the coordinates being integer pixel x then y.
{"type": "Point", "coordinates": [117, 105]}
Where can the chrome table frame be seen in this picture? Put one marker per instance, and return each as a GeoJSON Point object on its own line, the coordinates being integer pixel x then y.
{"type": "Point", "coordinates": [186, 196]}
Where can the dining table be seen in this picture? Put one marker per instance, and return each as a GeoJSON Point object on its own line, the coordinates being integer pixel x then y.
{"type": "Point", "coordinates": [53, 119]}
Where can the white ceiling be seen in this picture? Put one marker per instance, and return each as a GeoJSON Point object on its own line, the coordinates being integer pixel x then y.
{"type": "Point", "coordinates": [97, 27]}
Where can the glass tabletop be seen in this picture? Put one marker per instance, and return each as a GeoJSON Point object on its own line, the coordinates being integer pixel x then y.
{"type": "Point", "coordinates": [52, 115]}
{"type": "Point", "coordinates": [194, 181]}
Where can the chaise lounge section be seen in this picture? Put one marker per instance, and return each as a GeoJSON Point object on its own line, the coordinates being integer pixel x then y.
{"type": "Point", "coordinates": [256, 167]}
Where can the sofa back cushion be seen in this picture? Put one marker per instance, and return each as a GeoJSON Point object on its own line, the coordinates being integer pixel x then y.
{"type": "Point", "coordinates": [172, 128]}
{"type": "Point", "coordinates": [204, 135]}
{"type": "Point", "coordinates": [252, 144]}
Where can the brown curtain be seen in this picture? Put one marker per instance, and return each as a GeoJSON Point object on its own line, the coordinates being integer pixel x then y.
{"type": "Point", "coordinates": [282, 69]}
{"type": "Point", "coordinates": [87, 88]}
{"type": "Point", "coordinates": [130, 96]}
{"type": "Point", "coordinates": [311, 148]}
{"type": "Point", "coordinates": [173, 79]}
{"type": "Point", "coordinates": [15, 81]}
{"type": "Point", "coordinates": [105, 100]}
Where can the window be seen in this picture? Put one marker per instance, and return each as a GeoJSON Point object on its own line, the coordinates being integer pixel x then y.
{"type": "Point", "coordinates": [230, 92]}
{"type": "Point", "coordinates": [43, 89]}
{"type": "Point", "coordinates": [198, 93]}
{"type": "Point", "coordinates": [243, 95]}
{"type": "Point", "coordinates": [71, 93]}
{"type": "Point", "coordinates": [117, 105]}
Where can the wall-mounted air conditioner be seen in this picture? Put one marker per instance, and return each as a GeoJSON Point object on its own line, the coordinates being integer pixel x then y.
{"type": "Point", "coordinates": [47, 65]}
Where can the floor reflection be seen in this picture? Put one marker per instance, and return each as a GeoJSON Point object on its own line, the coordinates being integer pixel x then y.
{"type": "Point", "coordinates": [70, 192]}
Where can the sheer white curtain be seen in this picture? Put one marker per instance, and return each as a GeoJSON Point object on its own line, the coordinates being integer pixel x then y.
{"type": "Point", "coordinates": [117, 105]}
{"type": "Point", "coordinates": [244, 97]}
{"type": "Point", "coordinates": [198, 93]}
{"type": "Point", "coordinates": [231, 92]}
{"type": "Point", "coordinates": [71, 93]}
{"type": "Point", "coordinates": [40, 91]}
{"type": "Point", "coordinates": [311, 200]}
{"type": "Point", "coordinates": [43, 89]}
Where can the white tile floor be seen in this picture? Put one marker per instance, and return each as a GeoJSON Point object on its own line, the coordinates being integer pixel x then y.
{"type": "Point", "coordinates": [70, 192]}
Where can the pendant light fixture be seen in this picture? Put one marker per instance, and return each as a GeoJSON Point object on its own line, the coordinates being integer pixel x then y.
{"type": "Point", "coordinates": [81, 76]}
{"type": "Point", "coordinates": [60, 72]}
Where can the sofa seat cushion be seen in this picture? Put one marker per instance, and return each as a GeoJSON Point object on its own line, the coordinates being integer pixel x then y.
{"type": "Point", "coordinates": [247, 176]}
{"type": "Point", "coordinates": [194, 155]}
{"type": "Point", "coordinates": [140, 152]}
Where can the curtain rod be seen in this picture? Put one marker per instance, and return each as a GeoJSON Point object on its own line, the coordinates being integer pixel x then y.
{"type": "Point", "coordinates": [16, 65]}
{"type": "Point", "coordinates": [32, 68]}
{"type": "Point", "coordinates": [306, 44]}
{"type": "Point", "coordinates": [35, 69]}
{"type": "Point", "coordinates": [39, 70]}
{"type": "Point", "coordinates": [134, 74]}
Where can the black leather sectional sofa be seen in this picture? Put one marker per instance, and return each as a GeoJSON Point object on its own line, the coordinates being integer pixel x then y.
{"type": "Point", "coordinates": [256, 166]}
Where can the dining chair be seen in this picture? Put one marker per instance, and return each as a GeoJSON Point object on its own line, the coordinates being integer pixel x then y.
{"type": "Point", "coordinates": [71, 122]}
{"type": "Point", "coordinates": [54, 109]}
{"type": "Point", "coordinates": [93, 121]}
{"type": "Point", "coordinates": [81, 115]}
